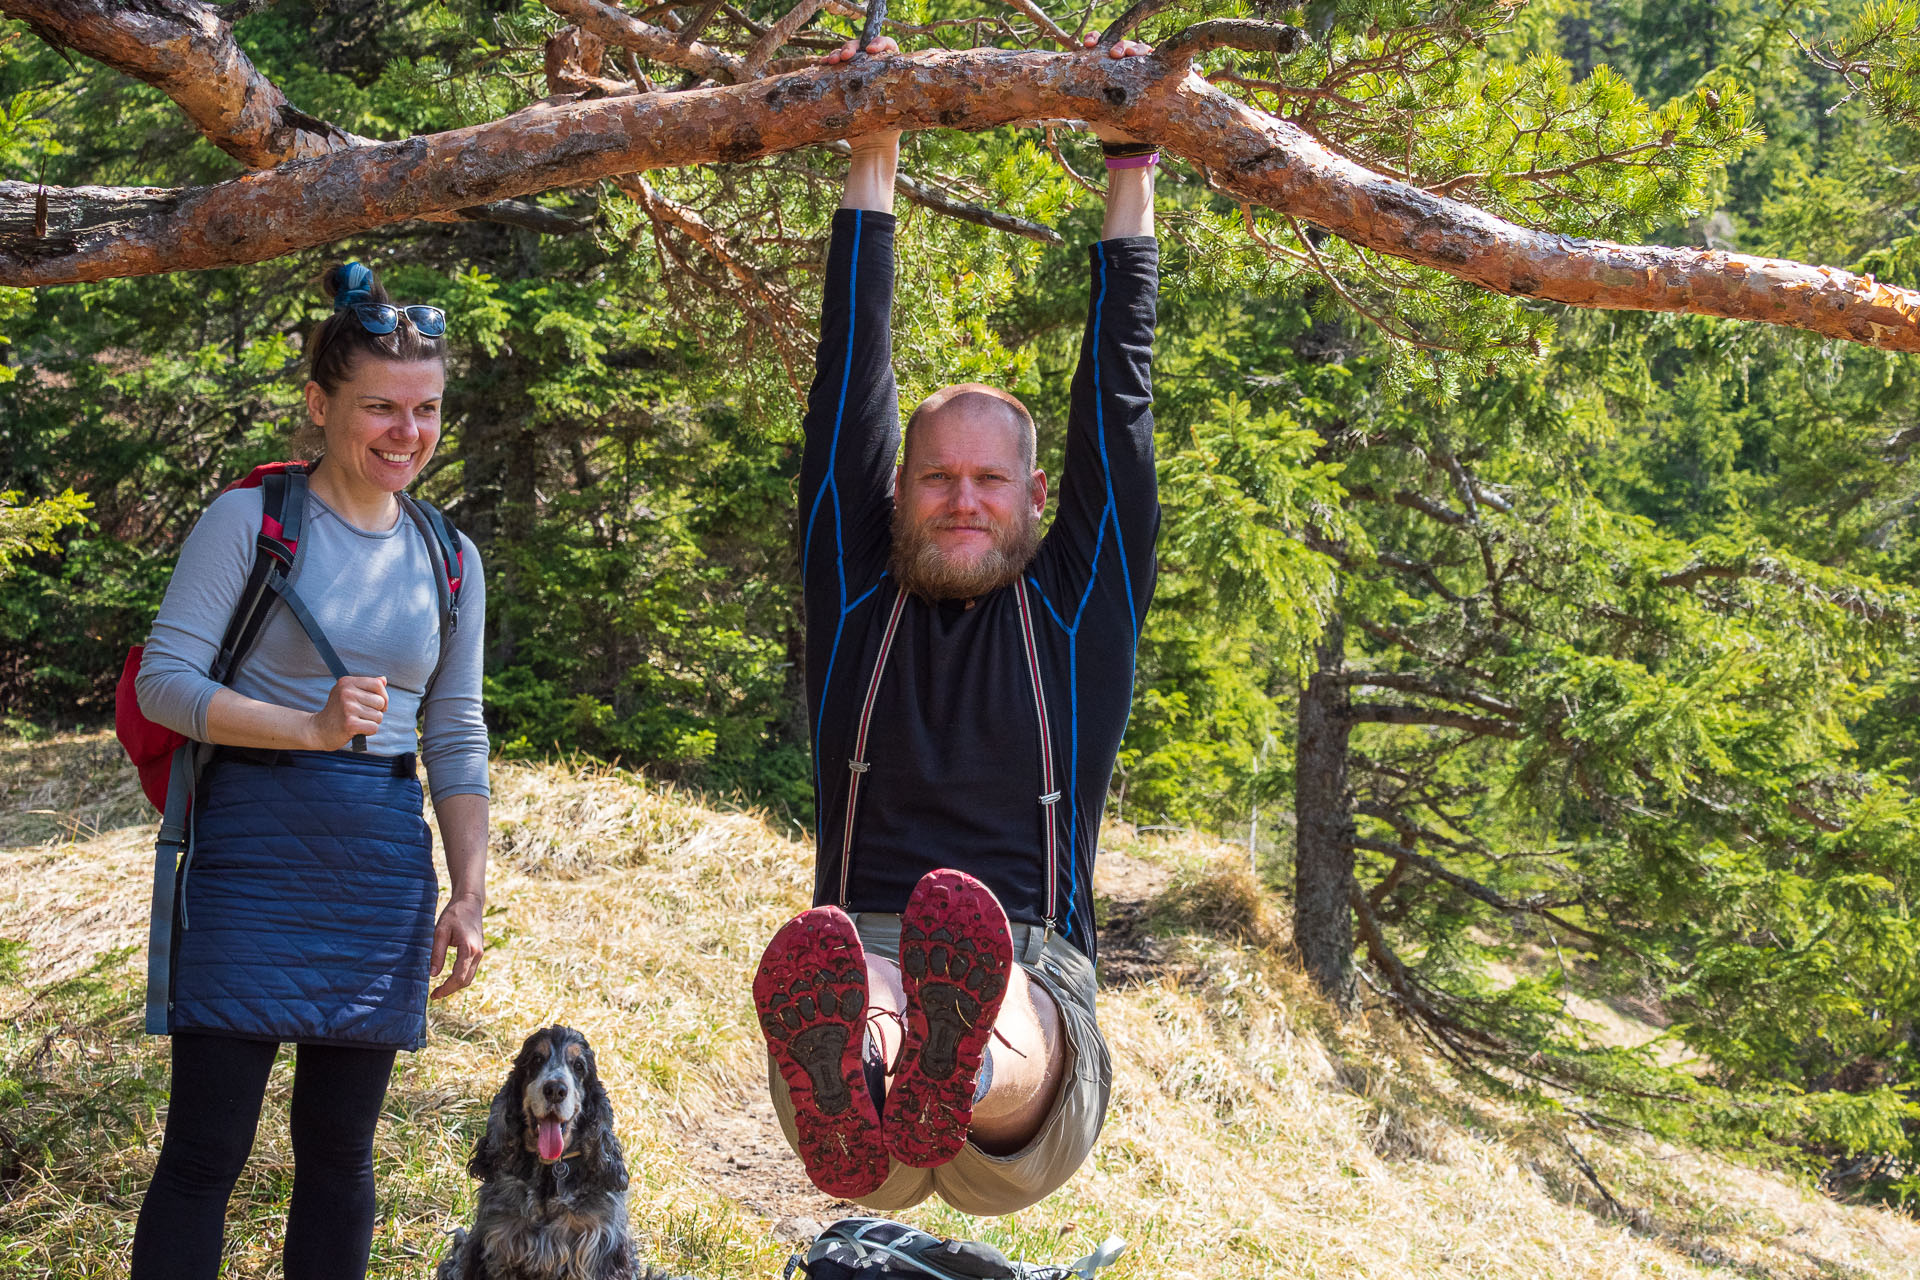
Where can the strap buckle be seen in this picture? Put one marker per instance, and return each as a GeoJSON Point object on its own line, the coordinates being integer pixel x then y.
{"type": "Point", "coordinates": [858, 766]}
{"type": "Point", "coordinates": [1052, 797]}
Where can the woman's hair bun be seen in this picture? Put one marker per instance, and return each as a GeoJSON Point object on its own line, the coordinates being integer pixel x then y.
{"type": "Point", "coordinates": [339, 341]}
{"type": "Point", "coordinates": [343, 277]}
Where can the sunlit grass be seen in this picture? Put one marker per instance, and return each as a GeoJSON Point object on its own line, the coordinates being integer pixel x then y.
{"type": "Point", "coordinates": [1247, 1137]}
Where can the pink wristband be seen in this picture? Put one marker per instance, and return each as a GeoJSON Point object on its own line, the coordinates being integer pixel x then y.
{"type": "Point", "coordinates": [1133, 162]}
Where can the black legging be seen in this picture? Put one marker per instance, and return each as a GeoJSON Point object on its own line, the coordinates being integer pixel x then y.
{"type": "Point", "coordinates": [218, 1083]}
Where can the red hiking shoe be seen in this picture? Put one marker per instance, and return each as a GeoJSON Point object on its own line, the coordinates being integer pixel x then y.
{"type": "Point", "coordinates": [955, 954]}
{"type": "Point", "coordinates": [810, 993]}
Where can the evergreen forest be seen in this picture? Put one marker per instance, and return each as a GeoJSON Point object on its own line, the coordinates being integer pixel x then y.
{"type": "Point", "coordinates": [1528, 649]}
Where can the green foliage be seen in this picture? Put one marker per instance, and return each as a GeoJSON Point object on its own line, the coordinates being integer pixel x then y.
{"type": "Point", "coordinates": [31, 528]}
{"type": "Point", "coordinates": [1628, 599]}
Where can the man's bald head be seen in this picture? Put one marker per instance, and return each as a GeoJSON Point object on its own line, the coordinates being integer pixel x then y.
{"type": "Point", "coordinates": [976, 401]}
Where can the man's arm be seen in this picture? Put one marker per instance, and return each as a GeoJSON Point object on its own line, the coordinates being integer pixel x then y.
{"type": "Point", "coordinates": [1109, 511]}
{"type": "Point", "coordinates": [852, 420]}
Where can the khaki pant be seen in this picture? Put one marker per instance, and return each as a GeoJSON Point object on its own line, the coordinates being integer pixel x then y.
{"type": "Point", "coordinates": [973, 1181]}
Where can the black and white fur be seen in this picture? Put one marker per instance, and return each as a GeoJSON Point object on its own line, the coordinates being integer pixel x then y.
{"type": "Point", "coordinates": [564, 1219]}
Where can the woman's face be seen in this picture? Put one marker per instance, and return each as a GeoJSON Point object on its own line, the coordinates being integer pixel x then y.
{"type": "Point", "coordinates": [382, 423]}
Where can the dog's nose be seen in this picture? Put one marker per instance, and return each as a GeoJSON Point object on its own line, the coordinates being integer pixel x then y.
{"type": "Point", "coordinates": [555, 1090]}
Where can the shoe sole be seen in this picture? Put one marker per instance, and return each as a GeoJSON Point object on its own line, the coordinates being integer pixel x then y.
{"type": "Point", "coordinates": [810, 993]}
{"type": "Point", "coordinates": [955, 954]}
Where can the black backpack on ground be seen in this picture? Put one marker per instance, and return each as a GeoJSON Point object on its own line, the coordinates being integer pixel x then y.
{"type": "Point", "coordinates": [881, 1249]}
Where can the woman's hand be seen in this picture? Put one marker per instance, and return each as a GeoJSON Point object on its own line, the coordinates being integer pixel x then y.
{"type": "Point", "coordinates": [459, 927]}
{"type": "Point", "coordinates": [1119, 49]}
{"type": "Point", "coordinates": [356, 705]}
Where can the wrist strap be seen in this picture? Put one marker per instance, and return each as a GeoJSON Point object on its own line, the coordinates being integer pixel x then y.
{"type": "Point", "coordinates": [1134, 162]}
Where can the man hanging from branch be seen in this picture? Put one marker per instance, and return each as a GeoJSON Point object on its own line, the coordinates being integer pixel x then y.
{"type": "Point", "coordinates": [931, 1018]}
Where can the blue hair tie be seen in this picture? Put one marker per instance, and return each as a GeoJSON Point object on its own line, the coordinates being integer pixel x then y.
{"type": "Point", "coordinates": [356, 286]}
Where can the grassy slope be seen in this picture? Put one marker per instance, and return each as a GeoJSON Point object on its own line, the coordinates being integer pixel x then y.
{"type": "Point", "coordinates": [1246, 1138]}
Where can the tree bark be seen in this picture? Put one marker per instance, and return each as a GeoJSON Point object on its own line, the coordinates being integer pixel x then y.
{"type": "Point", "coordinates": [1250, 154]}
{"type": "Point", "coordinates": [183, 49]}
{"type": "Point", "coordinates": [1324, 827]}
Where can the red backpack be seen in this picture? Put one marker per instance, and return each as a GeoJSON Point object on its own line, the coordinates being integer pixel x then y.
{"type": "Point", "coordinates": [170, 763]}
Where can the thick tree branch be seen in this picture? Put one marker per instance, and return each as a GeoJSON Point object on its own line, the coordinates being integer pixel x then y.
{"type": "Point", "coordinates": [185, 50]}
{"type": "Point", "coordinates": [1391, 713]}
{"type": "Point", "coordinates": [1251, 154]}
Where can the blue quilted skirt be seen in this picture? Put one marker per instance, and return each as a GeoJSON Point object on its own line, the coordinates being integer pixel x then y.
{"type": "Point", "coordinates": [306, 905]}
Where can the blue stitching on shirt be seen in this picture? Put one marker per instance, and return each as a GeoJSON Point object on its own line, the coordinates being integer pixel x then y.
{"type": "Point", "coordinates": [839, 540]}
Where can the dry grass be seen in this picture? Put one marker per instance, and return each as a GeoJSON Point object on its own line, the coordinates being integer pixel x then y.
{"type": "Point", "coordinates": [1246, 1138]}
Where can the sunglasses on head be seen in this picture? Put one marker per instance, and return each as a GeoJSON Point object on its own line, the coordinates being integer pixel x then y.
{"type": "Point", "coordinates": [383, 318]}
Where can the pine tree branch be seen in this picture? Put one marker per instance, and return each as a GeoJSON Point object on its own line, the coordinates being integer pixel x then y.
{"type": "Point", "coordinates": [1392, 713]}
{"type": "Point", "coordinates": [657, 44]}
{"type": "Point", "coordinates": [1541, 906]}
{"type": "Point", "coordinates": [1252, 155]}
{"type": "Point", "coordinates": [1121, 26]}
{"type": "Point", "coordinates": [930, 197]}
{"type": "Point", "coordinates": [1412, 501]}
{"type": "Point", "coordinates": [1401, 640]}
{"type": "Point", "coordinates": [1236, 33]}
{"type": "Point", "coordinates": [1048, 27]}
{"type": "Point", "coordinates": [779, 33]}
{"type": "Point", "coordinates": [1432, 689]}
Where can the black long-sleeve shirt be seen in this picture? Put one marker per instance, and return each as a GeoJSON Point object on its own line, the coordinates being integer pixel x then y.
{"type": "Point", "coordinates": [954, 776]}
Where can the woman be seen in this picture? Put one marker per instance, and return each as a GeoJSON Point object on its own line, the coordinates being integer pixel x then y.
{"type": "Point", "coordinates": [306, 906]}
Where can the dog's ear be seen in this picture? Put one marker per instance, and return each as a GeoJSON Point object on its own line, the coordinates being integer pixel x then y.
{"type": "Point", "coordinates": [505, 1138]}
{"type": "Point", "coordinates": [606, 1163]}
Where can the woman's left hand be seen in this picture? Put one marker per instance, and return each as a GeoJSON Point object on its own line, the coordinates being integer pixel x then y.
{"type": "Point", "coordinates": [460, 929]}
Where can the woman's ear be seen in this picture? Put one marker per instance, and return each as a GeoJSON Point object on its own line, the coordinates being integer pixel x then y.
{"type": "Point", "coordinates": [317, 403]}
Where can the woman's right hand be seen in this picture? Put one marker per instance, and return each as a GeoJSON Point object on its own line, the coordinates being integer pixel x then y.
{"type": "Point", "coordinates": [356, 705]}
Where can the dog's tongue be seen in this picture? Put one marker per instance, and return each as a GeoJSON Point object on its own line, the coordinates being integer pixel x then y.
{"type": "Point", "coordinates": [550, 1142]}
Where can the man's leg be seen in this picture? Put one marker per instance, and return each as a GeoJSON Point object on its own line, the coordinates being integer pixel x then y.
{"type": "Point", "coordinates": [810, 992]}
{"type": "Point", "coordinates": [1023, 1066]}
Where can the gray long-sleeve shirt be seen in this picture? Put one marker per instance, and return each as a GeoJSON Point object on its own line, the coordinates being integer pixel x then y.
{"type": "Point", "coordinates": [376, 598]}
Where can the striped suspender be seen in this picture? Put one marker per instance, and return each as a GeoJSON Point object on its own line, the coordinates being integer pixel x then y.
{"type": "Point", "coordinates": [1049, 794]}
{"type": "Point", "coordinates": [856, 767]}
{"type": "Point", "coordinates": [860, 764]}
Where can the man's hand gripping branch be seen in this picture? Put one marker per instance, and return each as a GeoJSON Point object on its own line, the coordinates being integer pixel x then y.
{"type": "Point", "coordinates": [876, 156]}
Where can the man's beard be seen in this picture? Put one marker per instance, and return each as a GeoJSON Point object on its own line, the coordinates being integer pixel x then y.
{"type": "Point", "coordinates": [923, 568]}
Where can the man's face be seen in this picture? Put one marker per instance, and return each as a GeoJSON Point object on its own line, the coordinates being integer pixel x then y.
{"type": "Point", "coordinates": [966, 507]}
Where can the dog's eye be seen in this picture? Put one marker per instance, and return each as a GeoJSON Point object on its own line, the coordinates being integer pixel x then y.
{"type": "Point", "coordinates": [579, 1066]}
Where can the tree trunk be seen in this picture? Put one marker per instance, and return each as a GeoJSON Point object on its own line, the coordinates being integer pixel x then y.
{"type": "Point", "coordinates": [1324, 830]}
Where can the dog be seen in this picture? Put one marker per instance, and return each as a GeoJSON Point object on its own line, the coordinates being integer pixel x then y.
{"type": "Point", "coordinates": [553, 1181]}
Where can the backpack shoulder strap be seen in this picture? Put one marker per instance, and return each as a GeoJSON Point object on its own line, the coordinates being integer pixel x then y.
{"type": "Point", "coordinates": [283, 508]}
{"type": "Point", "coordinates": [443, 548]}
